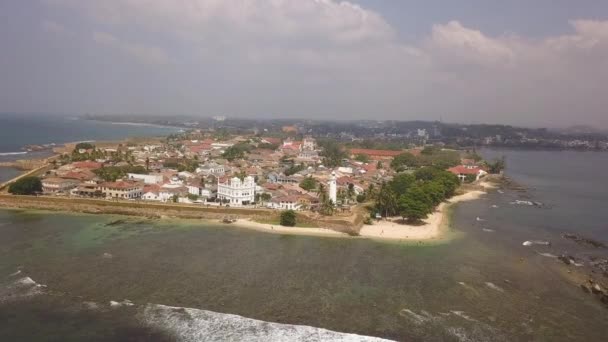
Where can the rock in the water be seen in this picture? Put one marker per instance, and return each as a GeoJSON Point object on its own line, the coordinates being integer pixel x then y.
{"type": "Point", "coordinates": [584, 241]}
{"type": "Point", "coordinates": [596, 289]}
{"type": "Point", "coordinates": [604, 299]}
{"type": "Point", "coordinates": [566, 259]}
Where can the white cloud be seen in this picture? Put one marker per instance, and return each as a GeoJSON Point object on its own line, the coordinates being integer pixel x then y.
{"type": "Point", "coordinates": [143, 53]}
{"type": "Point", "coordinates": [337, 56]}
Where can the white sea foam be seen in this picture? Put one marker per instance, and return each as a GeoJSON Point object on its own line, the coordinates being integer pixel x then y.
{"type": "Point", "coordinates": [463, 315]}
{"type": "Point", "coordinates": [494, 287]}
{"type": "Point", "coordinates": [11, 153]}
{"type": "Point", "coordinates": [14, 274]}
{"type": "Point", "coordinates": [456, 323]}
{"type": "Point", "coordinates": [21, 288]}
{"type": "Point", "coordinates": [125, 302]}
{"type": "Point", "coordinates": [488, 230]}
{"type": "Point", "coordinates": [548, 255]}
{"type": "Point", "coordinates": [536, 242]}
{"type": "Point", "coordinates": [191, 325]}
{"type": "Point", "coordinates": [91, 305]}
{"type": "Point", "coordinates": [479, 219]}
{"type": "Point", "coordinates": [414, 317]}
{"type": "Point", "coordinates": [27, 281]}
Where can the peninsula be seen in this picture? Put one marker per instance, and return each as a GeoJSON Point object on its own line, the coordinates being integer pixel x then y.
{"type": "Point", "coordinates": [280, 182]}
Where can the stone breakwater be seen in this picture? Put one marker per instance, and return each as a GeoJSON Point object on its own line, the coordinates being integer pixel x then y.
{"type": "Point", "coordinates": [167, 210]}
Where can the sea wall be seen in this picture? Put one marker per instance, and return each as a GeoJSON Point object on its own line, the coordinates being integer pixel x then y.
{"type": "Point", "coordinates": [159, 210]}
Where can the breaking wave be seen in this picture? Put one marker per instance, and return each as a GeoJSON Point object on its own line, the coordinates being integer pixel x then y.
{"type": "Point", "coordinates": [21, 288]}
{"type": "Point", "coordinates": [494, 287]}
{"type": "Point", "coordinates": [11, 153]}
{"type": "Point", "coordinates": [455, 324]}
{"type": "Point", "coordinates": [191, 325]}
{"type": "Point", "coordinates": [536, 242]}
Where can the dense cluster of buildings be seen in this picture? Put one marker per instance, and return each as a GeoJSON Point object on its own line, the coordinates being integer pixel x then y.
{"type": "Point", "coordinates": [271, 174]}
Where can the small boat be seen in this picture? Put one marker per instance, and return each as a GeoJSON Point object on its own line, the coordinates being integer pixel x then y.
{"type": "Point", "coordinates": [228, 220]}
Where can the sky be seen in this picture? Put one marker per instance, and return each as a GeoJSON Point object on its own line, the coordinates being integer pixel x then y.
{"type": "Point", "coordinates": [541, 63]}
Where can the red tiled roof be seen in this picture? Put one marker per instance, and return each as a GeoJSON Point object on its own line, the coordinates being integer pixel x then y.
{"type": "Point", "coordinates": [463, 170]}
{"type": "Point", "coordinates": [375, 153]}
{"type": "Point", "coordinates": [80, 175]}
{"type": "Point", "coordinates": [343, 180]}
{"type": "Point", "coordinates": [370, 167]}
{"type": "Point", "coordinates": [151, 188]}
{"type": "Point", "coordinates": [87, 165]}
{"type": "Point", "coordinates": [119, 185]}
{"type": "Point", "coordinates": [199, 148]}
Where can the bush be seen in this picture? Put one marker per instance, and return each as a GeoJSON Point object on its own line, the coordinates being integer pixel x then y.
{"type": "Point", "coordinates": [361, 198]}
{"type": "Point", "coordinates": [84, 146]}
{"type": "Point", "coordinates": [26, 186]}
{"type": "Point", "coordinates": [288, 218]}
{"type": "Point", "coordinates": [308, 184]}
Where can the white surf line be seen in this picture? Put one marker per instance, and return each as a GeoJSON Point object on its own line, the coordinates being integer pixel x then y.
{"type": "Point", "coordinates": [190, 325]}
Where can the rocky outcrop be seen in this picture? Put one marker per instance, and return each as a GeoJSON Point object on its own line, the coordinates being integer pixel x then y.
{"type": "Point", "coordinates": [584, 241]}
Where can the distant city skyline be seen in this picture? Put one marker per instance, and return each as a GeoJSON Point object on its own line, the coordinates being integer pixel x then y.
{"type": "Point", "coordinates": [533, 64]}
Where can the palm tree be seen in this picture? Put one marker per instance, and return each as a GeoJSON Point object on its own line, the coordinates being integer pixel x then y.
{"type": "Point", "coordinates": [386, 201]}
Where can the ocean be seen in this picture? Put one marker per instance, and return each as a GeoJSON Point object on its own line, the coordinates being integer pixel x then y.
{"type": "Point", "coordinates": [77, 277]}
{"type": "Point", "coordinates": [18, 130]}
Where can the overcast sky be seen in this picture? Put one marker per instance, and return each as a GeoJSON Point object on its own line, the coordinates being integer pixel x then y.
{"type": "Point", "coordinates": [523, 62]}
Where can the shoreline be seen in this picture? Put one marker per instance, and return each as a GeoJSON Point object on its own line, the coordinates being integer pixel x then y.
{"type": "Point", "coordinates": [434, 228]}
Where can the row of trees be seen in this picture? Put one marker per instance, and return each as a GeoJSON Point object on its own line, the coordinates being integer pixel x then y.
{"type": "Point", "coordinates": [237, 151]}
{"type": "Point", "coordinates": [435, 157]}
{"type": "Point", "coordinates": [112, 173]}
{"type": "Point", "coordinates": [414, 196]}
{"type": "Point", "coordinates": [332, 153]}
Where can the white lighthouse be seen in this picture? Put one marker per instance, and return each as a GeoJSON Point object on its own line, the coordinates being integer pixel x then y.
{"type": "Point", "coordinates": [333, 191]}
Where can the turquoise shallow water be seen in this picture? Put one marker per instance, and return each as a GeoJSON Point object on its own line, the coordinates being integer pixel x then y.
{"type": "Point", "coordinates": [483, 286]}
{"type": "Point", "coordinates": [455, 291]}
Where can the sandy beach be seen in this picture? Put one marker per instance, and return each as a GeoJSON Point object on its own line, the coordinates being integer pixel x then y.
{"type": "Point", "coordinates": [392, 229]}
{"type": "Point", "coordinates": [389, 229]}
{"type": "Point", "coordinates": [277, 229]}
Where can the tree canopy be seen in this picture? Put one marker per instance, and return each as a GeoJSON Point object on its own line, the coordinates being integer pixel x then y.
{"type": "Point", "coordinates": [414, 196]}
{"type": "Point", "coordinates": [237, 151]}
{"type": "Point", "coordinates": [404, 161]}
{"type": "Point", "coordinates": [332, 153]}
{"type": "Point", "coordinates": [288, 218]}
{"type": "Point", "coordinates": [112, 173]}
{"type": "Point", "coordinates": [430, 156]}
{"type": "Point", "coordinates": [84, 146]}
{"type": "Point", "coordinates": [308, 184]}
{"type": "Point", "coordinates": [26, 186]}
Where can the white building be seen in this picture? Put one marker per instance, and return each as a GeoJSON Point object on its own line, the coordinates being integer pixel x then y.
{"type": "Point", "coordinates": [54, 184]}
{"type": "Point", "coordinates": [333, 189]}
{"type": "Point", "coordinates": [308, 144]}
{"type": "Point", "coordinates": [285, 203]}
{"type": "Point", "coordinates": [211, 169]}
{"type": "Point", "coordinates": [122, 189]}
{"type": "Point", "coordinates": [199, 191]}
{"type": "Point", "coordinates": [237, 192]}
{"type": "Point", "coordinates": [148, 179]}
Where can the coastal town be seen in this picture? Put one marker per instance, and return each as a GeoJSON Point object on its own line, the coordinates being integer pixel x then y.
{"type": "Point", "coordinates": [284, 171]}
